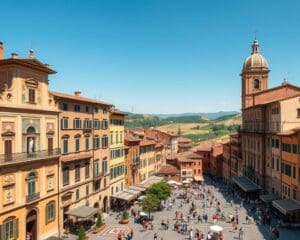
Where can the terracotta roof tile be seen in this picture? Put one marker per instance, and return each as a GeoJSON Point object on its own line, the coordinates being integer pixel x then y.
{"type": "Point", "coordinates": [78, 98]}
{"type": "Point", "coordinates": [169, 169]}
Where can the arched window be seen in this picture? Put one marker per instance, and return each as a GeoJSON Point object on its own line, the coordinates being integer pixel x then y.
{"type": "Point", "coordinates": [31, 130]}
{"type": "Point", "coordinates": [256, 84]}
{"type": "Point", "coordinates": [31, 186]}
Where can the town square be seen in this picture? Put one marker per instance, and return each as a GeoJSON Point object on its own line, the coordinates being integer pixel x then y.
{"type": "Point", "coordinates": [149, 120]}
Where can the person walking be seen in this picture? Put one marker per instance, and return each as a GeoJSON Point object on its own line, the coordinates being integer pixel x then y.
{"type": "Point", "coordinates": [155, 236]}
{"type": "Point", "coordinates": [241, 233]}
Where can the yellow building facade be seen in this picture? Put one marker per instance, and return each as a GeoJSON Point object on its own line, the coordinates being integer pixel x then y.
{"type": "Point", "coordinates": [117, 152]}
{"type": "Point", "coordinates": [29, 151]}
{"type": "Point", "coordinates": [147, 165]}
{"type": "Point", "coordinates": [84, 141]}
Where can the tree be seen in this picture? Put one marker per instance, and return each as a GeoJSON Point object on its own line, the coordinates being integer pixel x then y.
{"type": "Point", "coordinates": [99, 222]}
{"type": "Point", "coordinates": [179, 131]}
{"type": "Point", "coordinates": [150, 203]}
{"type": "Point", "coordinates": [161, 190]}
{"type": "Point", "coordinates": [81, 233]}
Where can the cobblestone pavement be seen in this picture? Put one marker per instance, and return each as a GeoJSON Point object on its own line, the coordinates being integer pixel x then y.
{"type": "Point", "coordinates": [252, 231]}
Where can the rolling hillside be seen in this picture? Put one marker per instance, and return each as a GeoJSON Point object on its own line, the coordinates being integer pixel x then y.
{"type": "Point", "coordinates": [194, 127]}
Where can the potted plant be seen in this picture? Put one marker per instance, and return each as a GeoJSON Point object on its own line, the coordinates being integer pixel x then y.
{"type": "Point", "coordinates": [99, 224]}
{"type": "Point", "coordinates": [81, 234]}
{"type": "Point", "coordinates": [125, 217]}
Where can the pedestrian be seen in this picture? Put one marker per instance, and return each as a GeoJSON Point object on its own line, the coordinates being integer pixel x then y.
{"type": "Point", "coordinates": [155, 236]}
{"type": "Point", "coordinates": [119, 236]}
{"type": "Point", "coordinates": [241, 233]}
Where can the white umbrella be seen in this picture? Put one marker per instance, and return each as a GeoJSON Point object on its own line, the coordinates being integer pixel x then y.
{"type": "Point", "coordinates": [216, 228]}
{"type": "Point", "coordinates": [143, 214]}
{"type": "Point", "coordinates": [186, 182]}
{"type": "Point", "coordinates": [140, 198]}
{"type": "Point", "coordinates": [179, 183]}
{"type": "Point", "coordinates": [171, 182]}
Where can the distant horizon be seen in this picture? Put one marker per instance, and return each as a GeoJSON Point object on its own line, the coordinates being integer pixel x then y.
{"type": "Point", "coordinates": [156, 57]}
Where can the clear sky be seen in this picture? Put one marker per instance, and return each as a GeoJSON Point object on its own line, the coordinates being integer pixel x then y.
{"type": "Point", "coordinates": [151, 56]}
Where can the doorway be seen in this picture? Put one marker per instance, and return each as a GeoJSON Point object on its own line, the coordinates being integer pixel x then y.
{"type": "Point", "coordinates": [31, 224]}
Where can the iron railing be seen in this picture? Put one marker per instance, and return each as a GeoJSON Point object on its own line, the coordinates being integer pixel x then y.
{"type": "Point", "coordinates": [22, 157]}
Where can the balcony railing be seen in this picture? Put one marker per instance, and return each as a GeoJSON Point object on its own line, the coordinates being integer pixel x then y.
{"type": "Point", "coordinates": [22, 157]}
{"type": "Point", "coordinates": [32, 197]}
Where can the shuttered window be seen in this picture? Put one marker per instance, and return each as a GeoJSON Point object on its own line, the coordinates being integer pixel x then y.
{"type": "Point", "coordinates": [50, 212]}
{"type": "Point", "coordinates": [31, 97]}
{"type": "Point", "coordinates": [10, 229]}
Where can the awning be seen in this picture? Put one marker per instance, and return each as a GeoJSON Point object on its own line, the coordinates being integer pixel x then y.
{"type": "Point", "coordinates": [150, 181]}
{"type": "Point", "coordinates": [137, 188]}
{"type": "Point", "coordinates": [246, 184]}
{"type": "Point", "coordinates": [127, 194]}
{"type": "Point", "coordinates": [198, 178]}
{"type": "Point", "coordinates": [267, 198]}
{"type": "Point", "coordinates": [286, 206]}
{"type": "Point", "coordinates": [83, 212]}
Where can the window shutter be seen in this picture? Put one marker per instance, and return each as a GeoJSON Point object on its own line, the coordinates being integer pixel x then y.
{"type": "Point", "coordinates": [46, 213]}
{"type": "Point", "coordinates": [16, 228]}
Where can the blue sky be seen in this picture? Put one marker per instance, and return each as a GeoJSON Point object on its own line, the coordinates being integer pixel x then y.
{"type": "Point", "coordinates": [150, 56]}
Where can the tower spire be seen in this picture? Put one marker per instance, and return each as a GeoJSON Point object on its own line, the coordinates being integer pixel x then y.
{"type": "Point", "coordinates": [255, 46]}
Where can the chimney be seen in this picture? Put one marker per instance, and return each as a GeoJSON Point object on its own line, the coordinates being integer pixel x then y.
{"type": "Point", "coordinates": [14, 55]}
{"type": "Point", "coordinates": [1, 51]}
{"type": "Point", "coordinates": [77, 93]}
{"type": "Point", "coordinates": [31, 53]}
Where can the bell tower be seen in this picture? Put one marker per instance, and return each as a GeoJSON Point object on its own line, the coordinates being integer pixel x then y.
{"type": "Point", "coordinates": [254, 75]}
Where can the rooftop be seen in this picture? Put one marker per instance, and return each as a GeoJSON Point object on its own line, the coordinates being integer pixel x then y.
{"type": "Point", "coordinates": [78, 98]}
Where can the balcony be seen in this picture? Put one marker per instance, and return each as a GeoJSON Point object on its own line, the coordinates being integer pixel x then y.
{"type": "Point", "coordinates": [98, 175]}
{"type": "Point", "coordinates": [32, 197]}
{"type": "Point", "coordinates": [24, 157]}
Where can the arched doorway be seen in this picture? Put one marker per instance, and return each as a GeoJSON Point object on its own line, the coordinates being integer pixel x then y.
{"type": "Point", "coordinates": [105, 202]}
{"type": "Point", "coordinates": [31, 224]}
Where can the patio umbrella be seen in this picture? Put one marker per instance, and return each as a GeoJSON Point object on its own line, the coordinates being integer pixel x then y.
{"type": "Point", "coordinates": [186, 182]}
{"type": "Point", "coordinates": [171, 182]}
{"type": "Point", "coordinates": [216, 228]}
{"type": "Point", "coordinates": [143, 214]}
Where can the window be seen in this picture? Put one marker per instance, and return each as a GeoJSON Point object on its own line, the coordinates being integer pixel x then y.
{"type": "Point", "coordinates": [87, 170]}
{"type": "Point", "coordinates": [111, 137]}
{"type": "Point", "coordinates": [77, 194]}
{"type": "Point", "coordinates": [96, 168]}
{"type": "Point", "coordinates": [96, 185]}
{"type": "Point", "coordinates": [77, 123]}
{"type": "Point", "coordinates": [256, 84]}
{"type": "Point", "coordinates": [104, 124]}
{"type": "Point", "coordinates": [294, 172]}
{"type": "Point", "coordinates": [77, 144]}
{"type": "Point", "coordinates": [31, 96]}
{"type": "Point", "coordinates": [31, 185]}
{"type": "Point", "coordinates": [96, 124]}
{"type": "Point", "coordinates": [104, 141]}
{"type": "Point", "coordinates": [65, 145]}
{"type": "Point", "coordinates": [105, 110]}
{"type": "Point", "coordinates": [87, 144]}
{"type": "Point", "coordinates": [87, 190]}
{"type": "Point", "coordinates": [96, 142]}
{"type": "Point", "coordinates": [96, 110]}
{"type": "Point", "coordinates": [77, 108]}
{"type": "Point", "coordinates": [10, 229]}
{"type": "Point", "coordinates": [50, 212]}
{"type": "Point", "coordinates": [8, 149]}
{"type": "Point", "coordinates": [87, 109]}
{"type": "Point", "coordinates": [65, 106]}
{"type": "Point", "coordinates": [298, 113]}
{"type": "Point", "coordinates": [65, 176]}
{"type": "Point", "coordinates": [77, 173]}
{"type": "Point", "coordinates": [117, 137]}
{"type": "Point", "coordinates": [64, 123]}
{"type": "Point", "coordinates": [104, 165]}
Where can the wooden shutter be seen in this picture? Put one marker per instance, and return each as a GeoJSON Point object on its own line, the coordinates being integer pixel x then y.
{"type": "Point", "coordinates": [16, 228]}
{"type": "Point", "coordinates": [31, 95]}
{"type": "Point", "coordinates": [50, 144]}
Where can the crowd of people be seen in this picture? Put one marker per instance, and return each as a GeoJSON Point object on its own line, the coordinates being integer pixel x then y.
{"type": "Point", "coordinates": [205, 209]}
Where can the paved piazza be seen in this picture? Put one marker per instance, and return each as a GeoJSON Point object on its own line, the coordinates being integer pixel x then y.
{"type": "Point", "coordinates": [251, 231]}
